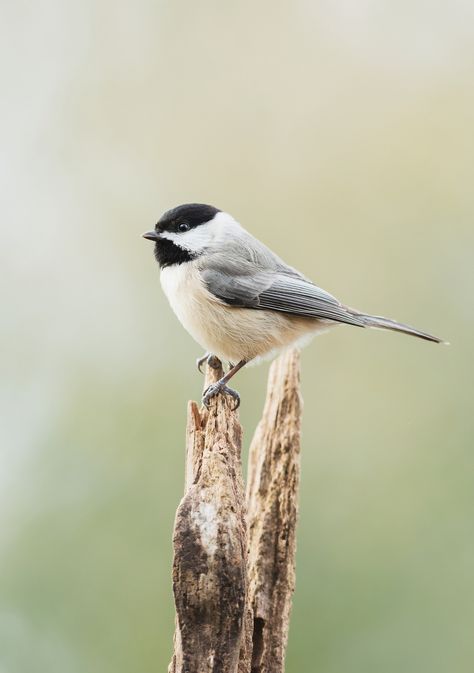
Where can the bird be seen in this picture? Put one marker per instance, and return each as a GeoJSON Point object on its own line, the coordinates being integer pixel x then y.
{"type": "Point", "coordinates": [237, 298]}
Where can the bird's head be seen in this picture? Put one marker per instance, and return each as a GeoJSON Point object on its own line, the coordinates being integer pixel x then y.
{"type": "Point", "coordinates": [185, 232]}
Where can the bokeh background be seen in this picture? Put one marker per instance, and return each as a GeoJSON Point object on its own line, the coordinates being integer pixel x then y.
{"type": "Point", "coordinates": [341, 134]}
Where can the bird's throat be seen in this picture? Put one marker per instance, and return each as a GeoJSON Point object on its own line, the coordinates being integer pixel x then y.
{"type": "Point", "coordinates": [168, 253]}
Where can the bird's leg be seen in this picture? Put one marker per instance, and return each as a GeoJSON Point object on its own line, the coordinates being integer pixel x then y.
{"type": "Point", "coordinates": [211, 360]}
{"type": "Point", "coordinates": [221, 387]}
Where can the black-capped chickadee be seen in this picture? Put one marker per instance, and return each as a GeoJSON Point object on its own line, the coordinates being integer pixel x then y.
{"type": "Point", "coordinates": [236, 298]}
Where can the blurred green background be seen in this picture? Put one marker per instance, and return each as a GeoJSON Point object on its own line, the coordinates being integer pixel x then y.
{"type": "Point", "coordinates": [341, 134]}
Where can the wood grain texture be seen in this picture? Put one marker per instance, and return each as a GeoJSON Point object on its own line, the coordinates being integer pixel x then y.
{"type": "Point", "coordinates": [272, 504]}
{"type": "Point", "coordinates": [209, 567]}
{"type": "Point", "coordinates": [233, 590]}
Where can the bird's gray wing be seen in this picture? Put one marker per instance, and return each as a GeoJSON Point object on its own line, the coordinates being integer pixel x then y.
{"type": "Point", "coordinates": [301, 297]}
{"type": "Point", "coordinates": [268, 284]}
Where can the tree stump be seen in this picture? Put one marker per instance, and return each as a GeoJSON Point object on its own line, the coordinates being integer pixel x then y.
{"type": "Point", "coordinates": [234, 555]}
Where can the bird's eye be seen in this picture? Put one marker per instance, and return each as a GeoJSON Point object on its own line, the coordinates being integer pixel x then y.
{"type": "Point", "coordinates": [184, 226]}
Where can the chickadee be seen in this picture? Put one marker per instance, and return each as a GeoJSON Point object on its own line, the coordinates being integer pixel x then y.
{"type": "Point", "coordinates": [236, 298]}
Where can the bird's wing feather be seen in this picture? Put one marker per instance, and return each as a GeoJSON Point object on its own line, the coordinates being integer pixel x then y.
{"type": "Point", "coordinates": [276, 287]}
{"type": "Point", "coordinates": [301, 297]}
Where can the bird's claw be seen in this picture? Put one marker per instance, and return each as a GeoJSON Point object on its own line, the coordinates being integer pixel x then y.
{"type": "Point", "coordinates": [211, 360]}
{"type": "Point", "coordinates": [219, 387]}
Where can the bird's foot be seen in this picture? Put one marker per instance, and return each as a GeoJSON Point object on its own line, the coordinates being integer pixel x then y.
{"type": "Point", "coordinates": [211, 360]}
{"type": "Point", "coordinates": [220, 387]}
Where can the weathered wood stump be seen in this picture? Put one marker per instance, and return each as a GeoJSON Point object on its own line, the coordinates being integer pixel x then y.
{"type": "Point", "coordinates": [234, 555]}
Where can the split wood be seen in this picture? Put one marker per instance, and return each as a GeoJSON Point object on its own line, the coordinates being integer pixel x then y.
{"type": "Point", "coordinates": [234, 552]}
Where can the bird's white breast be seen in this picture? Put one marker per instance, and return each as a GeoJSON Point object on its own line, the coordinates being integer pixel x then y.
{"type": "Point", "coordinates": [231, 333]}
{"type": "Point", "coordinates": [189, 299]}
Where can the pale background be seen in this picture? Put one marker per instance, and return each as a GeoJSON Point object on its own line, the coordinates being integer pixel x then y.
{"type": "Point", "coordinates": [340, 133]}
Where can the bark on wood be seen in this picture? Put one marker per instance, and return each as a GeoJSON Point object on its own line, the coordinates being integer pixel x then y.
{"type": "Point", "coordinates": [209, 568]}
{"type": "Point", "coordinates": [232, 615]}
{"type": "Point", "coordinates": [272, 504]}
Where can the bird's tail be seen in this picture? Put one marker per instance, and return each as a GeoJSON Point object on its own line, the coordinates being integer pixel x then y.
{"type": "Point", "coordinates": [379, 322]}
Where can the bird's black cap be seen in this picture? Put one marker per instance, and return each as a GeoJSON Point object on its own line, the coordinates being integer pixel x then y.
{"type": "Point", "coordinates": [192, 214]}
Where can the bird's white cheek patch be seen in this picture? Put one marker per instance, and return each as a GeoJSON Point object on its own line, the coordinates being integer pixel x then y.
{"type": "Point", "coordinates": [195, 239]}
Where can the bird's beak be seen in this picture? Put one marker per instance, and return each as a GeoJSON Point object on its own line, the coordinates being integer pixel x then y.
{"type": "Point", "coordinates": [151, 235]}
